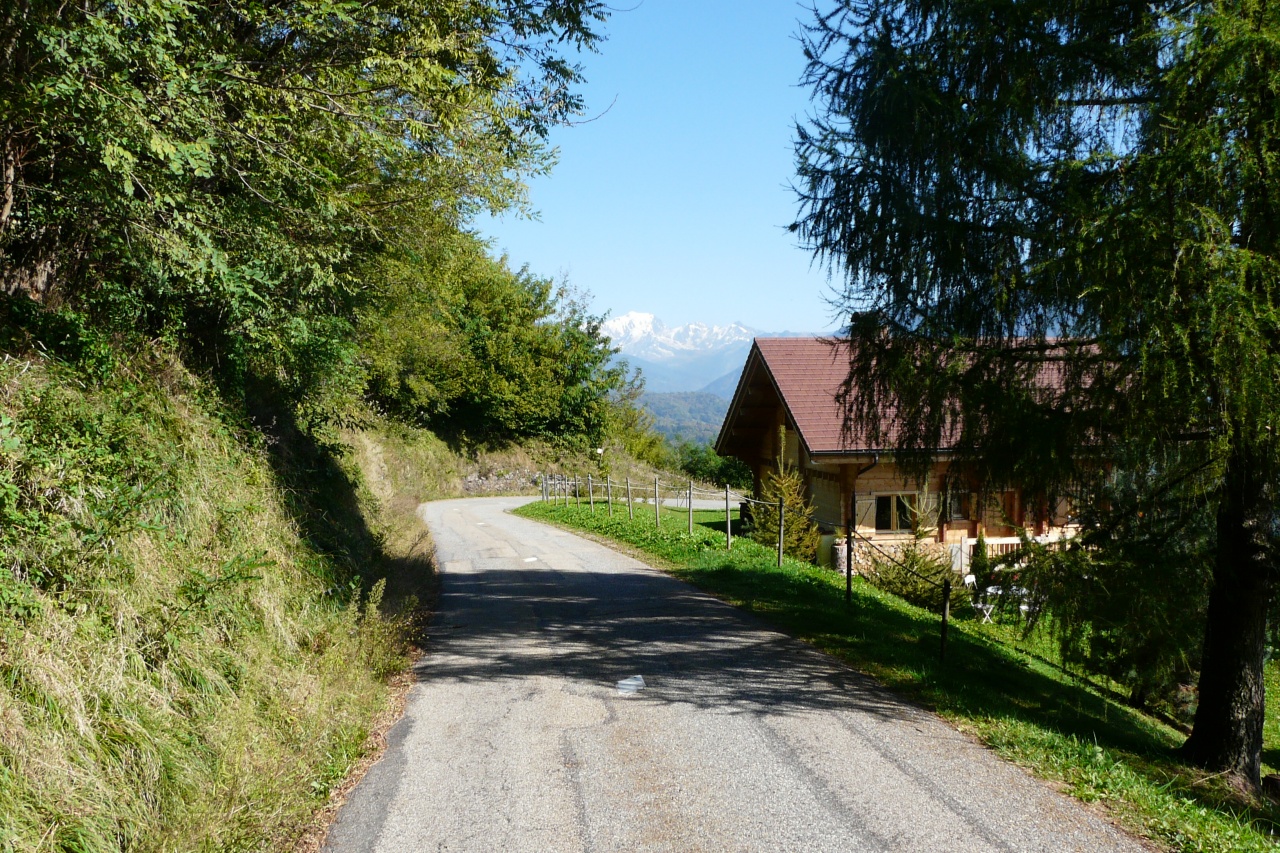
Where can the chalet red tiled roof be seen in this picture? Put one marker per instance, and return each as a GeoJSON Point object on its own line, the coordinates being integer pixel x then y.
{"type": "Point", "coordinates": [808, 373]}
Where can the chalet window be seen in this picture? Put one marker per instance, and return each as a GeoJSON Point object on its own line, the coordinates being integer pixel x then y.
{"type": "Point", "coordinates": [956, 507]}
{"type": "Point", "coordinates": [895, 512]}
{"type": "Point", "coordinates": [1009, 507]}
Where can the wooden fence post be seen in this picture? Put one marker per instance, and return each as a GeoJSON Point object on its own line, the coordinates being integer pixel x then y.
{"type": "Point", "coordinates": [946, 613]}
{"type": "Point", "coordinates": [657, 504]}
{"type": "Point", "coordinates": [577, 492]}
{"type": "Point", "coordinates": [691, 507]}
{"type": "Point", "coordinates": [608, 485]}
{"type": "Point", "coordinates": [780, 524]}
{"type": "Point", "coordinates": [848, 563]}
{"type": "Point", "coordinates": [591, 494]}
{"type": "Point", "coordinates": [631, 513]}
{"type": "Point", "coordinates": [728, 524]}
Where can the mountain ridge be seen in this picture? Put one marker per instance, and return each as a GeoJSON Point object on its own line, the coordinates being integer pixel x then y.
{"type": "Point", "coordinates": [695, 357]}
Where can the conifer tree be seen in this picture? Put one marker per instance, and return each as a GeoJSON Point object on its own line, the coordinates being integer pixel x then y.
{"type": "Point", "coordinates": [799, 534]}
{"type": "Point", "coordinates": [1058, 224]}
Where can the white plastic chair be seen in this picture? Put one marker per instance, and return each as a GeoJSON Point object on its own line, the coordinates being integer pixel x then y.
{"type": "Point", "coordinates": [981, 606]}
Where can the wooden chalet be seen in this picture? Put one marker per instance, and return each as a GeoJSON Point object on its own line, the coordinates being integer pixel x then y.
{"type": "Point", "coordinates": [788, 393]}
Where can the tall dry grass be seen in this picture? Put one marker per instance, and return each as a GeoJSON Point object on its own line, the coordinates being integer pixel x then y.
{"type": "Point", "coordinates": [177, 669]}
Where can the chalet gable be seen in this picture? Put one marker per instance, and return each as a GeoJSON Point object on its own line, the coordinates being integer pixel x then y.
{"type": "Point", "coordinates": [791, 382]}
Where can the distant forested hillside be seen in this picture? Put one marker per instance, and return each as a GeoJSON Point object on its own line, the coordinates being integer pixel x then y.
{"type": "Point", "coordinates": [691, 415]}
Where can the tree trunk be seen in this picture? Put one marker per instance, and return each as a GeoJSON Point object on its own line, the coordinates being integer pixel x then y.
{"type": "Point", "coordinates": [1227, 735]}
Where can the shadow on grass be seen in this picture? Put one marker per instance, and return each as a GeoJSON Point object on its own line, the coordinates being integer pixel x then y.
{"type": "Point", "coordinates": [324, 503]}
{"type": "Point", "coordinates": [977, 680]}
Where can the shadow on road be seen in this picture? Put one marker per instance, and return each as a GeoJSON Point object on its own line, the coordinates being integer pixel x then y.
{"type": "Point", "coordinates": [596, 628]}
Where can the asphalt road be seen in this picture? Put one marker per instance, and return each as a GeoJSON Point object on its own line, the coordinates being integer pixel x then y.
{"type": "Point", "coordinates": [519, 738]}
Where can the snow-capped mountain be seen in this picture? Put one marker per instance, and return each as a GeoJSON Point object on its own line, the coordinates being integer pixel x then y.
{"type": "Point", "coordinates": [641, 335]}
{"type": "Point", "coordinates": [682, 358]}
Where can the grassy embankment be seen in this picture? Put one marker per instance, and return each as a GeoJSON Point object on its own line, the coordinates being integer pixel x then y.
{"type": "Point", "coordinates": [191, 647]}
{"type": "Point", "coordinates": [189, 654]}
{"type": "Point", "coordinates": [1023, 705]}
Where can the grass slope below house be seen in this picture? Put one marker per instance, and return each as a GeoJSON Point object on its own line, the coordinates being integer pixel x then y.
{"type": "Point", "coordinates": [1023, 706]}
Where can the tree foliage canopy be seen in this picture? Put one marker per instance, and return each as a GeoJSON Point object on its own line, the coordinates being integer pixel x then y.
{"type": "Point", "coordinates": [282, 190]}
{"type": "Point", "coordinates": [215, 172]}
{"type": "Point", "coordinates": [1058, 223]}
{"type": "Point", "coordinates": [457, 340]}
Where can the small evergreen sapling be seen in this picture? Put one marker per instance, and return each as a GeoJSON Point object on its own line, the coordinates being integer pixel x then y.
{"type": "Point", "coordinates": [799, 535]}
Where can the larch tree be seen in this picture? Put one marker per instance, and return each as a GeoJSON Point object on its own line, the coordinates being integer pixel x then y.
{"type": "Point", "coordinates": [1057, 224]}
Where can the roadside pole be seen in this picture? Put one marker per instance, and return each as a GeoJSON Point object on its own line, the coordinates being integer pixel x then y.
{"type": "Point", "coordinates": [946, 614]}
{"type": "Point", "coordinates": [848, 563]}
{"type": "Point", "coordinates": [728, 526]}
{"type": "Point", "coordinates": [781, 518]}
{"type": "Point", "coordinates": [657, 506]}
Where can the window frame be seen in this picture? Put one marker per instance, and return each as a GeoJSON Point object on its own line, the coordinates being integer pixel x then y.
{"type": "Point", "coordinates": [958, 506]}
{"type": "Point", "coordinates": [910, 499]}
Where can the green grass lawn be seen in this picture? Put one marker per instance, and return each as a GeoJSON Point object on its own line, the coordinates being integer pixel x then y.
{"type": "Point", "coordinates": [1004, 689]}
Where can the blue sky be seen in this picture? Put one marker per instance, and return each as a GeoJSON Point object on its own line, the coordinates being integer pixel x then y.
{"type": "Point", "coordinates": [675, 199]}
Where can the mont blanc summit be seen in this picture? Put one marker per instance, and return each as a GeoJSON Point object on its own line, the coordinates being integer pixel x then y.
{"type": "Point", "coordinates": [642, 335]}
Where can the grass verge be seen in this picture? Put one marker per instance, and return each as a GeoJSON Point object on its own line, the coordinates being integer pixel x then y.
{"type": "Point", "coordinates": [1024, 707]}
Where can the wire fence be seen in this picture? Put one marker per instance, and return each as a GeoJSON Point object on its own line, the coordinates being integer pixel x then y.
{"type": "Point", "coordinates": [565, 489]}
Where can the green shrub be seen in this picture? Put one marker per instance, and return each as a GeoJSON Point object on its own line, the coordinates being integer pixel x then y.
{"type": "Point", "coordinates": [981, 566]}
{"type": "Point", "coordinates": [702, 463]}
{"type": "Point", "coordinates": [916, 572]}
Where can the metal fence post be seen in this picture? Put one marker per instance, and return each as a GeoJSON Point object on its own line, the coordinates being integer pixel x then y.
{"type": "Point", "coordinates": [657, 504]}
{"type": "Point", "coordinates": [608, 485]}
{"type": "Point", "coordinates": [728, 525]}
{"type": "Point", "coordinates": [780, 526]}
{"type": "Point", "coordinates": [631, 513]}
{"type": "Point", "coordinates": [591, 494]}
{"type": "Point", "coordinates": [691, 507]}
{"type": "Point", "coordinates": [946, 613]}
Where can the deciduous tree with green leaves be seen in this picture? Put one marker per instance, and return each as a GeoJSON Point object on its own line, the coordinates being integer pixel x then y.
{"type": "Point", "coordinates": [1058, 222]}
{"type": "Point", "coordinates": [457, 341]}
{"type": "Point", "coordinates": [216, 172]}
